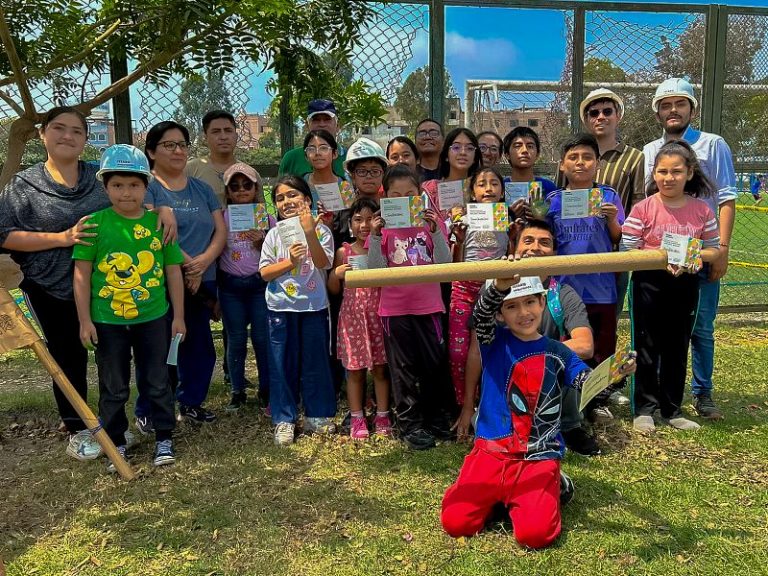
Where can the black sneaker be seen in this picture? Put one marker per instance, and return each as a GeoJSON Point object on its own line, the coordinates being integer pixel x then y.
{"type": "Point", "coordinates": [581, 442]}
{"type": "Point", "coordinates": [566, 488]}
{"type": "Point", "coordinates": [441, 430]}
{"type": "Point", "coordinates": [706, 408]}
{"type": "Point", "coordinates": [419, 439]}
{"type": "Point", "coordinates": [196, 414]}
{"type": "Point", "coordinates": [238, 401]}
{"type": "Point", "coordinates": [144, 425]}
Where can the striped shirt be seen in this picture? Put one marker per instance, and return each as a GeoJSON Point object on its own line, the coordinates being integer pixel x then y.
{"type": "Point", "coordinates": [651, 218]}
{"type": "Point", "coordinates": [621, 168]}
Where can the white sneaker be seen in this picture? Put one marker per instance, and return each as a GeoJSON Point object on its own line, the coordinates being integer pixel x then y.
{"type": "Point", "coordinates": [83, 446]}
{"type": "Point", "coordinates": [284, 433]}
{"type": "Point", "coordinates": [644, 424]}
{"type": "Point", "coordinates": [619, 399]}
{"type": "Point", "coordinates": [681, 423]}
{"type": "Point", "coordinates": [323, 426]}
{"type": "Point", "coordinates": [601, 414]}
{"type": "Point", "coordinates": [111, 468]}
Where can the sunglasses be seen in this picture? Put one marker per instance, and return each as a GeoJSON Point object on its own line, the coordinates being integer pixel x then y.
{"type": "Point", "coordinates": [595, 112]}
{"type": "Point", "coordinates": [235, 186]}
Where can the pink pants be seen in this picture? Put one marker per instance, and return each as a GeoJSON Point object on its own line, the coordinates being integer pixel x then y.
{"type": "Point", "coordinates": [464, 295]}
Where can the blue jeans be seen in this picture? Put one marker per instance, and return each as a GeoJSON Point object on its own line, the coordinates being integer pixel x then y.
{"type": "Point", "coordinates": [197, 355]}
{"type": "Point", "coordinates": [299, 364]}
{"type": "Point", "coordinates": [703, 337]}
{"type": "Point", "coordinates": [242, 304]}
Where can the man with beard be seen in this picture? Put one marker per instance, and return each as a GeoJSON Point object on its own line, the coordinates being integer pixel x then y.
{"type": "Point", "coordinates": [675, 105]}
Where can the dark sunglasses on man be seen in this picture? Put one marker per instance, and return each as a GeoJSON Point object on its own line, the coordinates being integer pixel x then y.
{"type": "Point", "coordinates": [595, 112]}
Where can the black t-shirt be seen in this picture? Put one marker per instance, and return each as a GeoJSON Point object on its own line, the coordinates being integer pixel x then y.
{"type": "Point", "coordinates": [429, 174]}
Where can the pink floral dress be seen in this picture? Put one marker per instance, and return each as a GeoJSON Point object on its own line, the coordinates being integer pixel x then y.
{"type": "Point", "coordinates": [360, 343]}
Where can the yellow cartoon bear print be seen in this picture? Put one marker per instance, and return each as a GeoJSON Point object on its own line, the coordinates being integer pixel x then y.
{"type": "Point", "coordinates": [155, 245]}
{"type": "Point", "coordinates": [140, 232]}
{"type": "Point", "coordinates": [123, 279]}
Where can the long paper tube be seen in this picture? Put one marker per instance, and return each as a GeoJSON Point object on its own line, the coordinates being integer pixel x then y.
{"type": "Point", "coordinates": [478, 271]}
{"type": "Point", "coordinates": [82, 409]}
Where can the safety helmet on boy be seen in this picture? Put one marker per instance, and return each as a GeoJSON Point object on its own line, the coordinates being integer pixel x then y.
{"type": "Point", "coordinates": [365, 149]}
{"type": "Point", "coordinates": [674, 87]}
{"type": "Point", "coordinates": [123, 158]}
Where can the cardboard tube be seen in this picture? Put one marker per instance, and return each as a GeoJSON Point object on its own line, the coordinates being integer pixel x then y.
{"type": "Point", "coordinates": [483, 270]}
{"type": "Point", "coordinates": [82, 409]}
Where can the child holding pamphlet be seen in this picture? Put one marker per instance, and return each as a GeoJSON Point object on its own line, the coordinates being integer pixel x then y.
{"type": "Point", "coordinates": [586, 219]}
{"type": "Point", "coordinates": [294, 258]}
{"type": "Point", "coordinates": [360, 334]}
{"type": "Point", "coordinates": [486, 241]}
{"type": "Point", "coordinates": [241, 288]}
{"type": "Point", "coordinates": [405, 234]}
{"type": "Point", "coordinates": [664, 303]}
{"type": "Point", "coordinates": [521, 148]}
{"type": "Point", "coordinates": [515, 460]}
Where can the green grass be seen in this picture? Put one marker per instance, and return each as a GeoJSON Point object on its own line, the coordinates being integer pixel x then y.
{"type": "Point", "coordinates": [675, 504]}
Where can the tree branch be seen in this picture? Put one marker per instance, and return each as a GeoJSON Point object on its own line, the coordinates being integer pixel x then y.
{"type": "Point", "coordinates": [63, 63]}
{"type": "Point", "coordinates": [16, 66]}
{"type": "Point", "coordinates": [10, 101]}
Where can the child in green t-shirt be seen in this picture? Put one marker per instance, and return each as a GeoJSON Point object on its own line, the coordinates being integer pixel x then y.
{"type": "Point", "coordinates": [120, 291]}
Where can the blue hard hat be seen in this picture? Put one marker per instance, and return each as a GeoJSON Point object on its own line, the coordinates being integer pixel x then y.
{"type": "Point", "coordinates": [124, 158]}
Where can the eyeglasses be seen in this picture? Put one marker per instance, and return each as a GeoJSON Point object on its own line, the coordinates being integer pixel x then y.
{"type": "Point", "coordinates": [322, 149]}
{"type": "Point", "coordinates": [595, 112]}
{"type": "Point", "coordinates": [171, 146]}
{"type": "Point", "coordinates": [434, 133]}
{"type": "Point", "coordinates": [372, 172]}
{"type": "Point", "coordinates": [468, 148]}
{"type": "Point", "coordinates": [235, 186]}
{"type": "Point", "coordinates": [485, 148]}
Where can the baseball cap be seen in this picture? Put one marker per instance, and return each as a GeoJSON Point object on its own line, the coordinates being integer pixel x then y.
{"type": "Point", "coordinates": [320, 106]}
{"type": "Point", "coordinates": [245, 170]}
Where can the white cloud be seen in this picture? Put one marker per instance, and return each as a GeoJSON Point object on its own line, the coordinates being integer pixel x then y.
{"type": "Point", "coordinates": [480, 57]}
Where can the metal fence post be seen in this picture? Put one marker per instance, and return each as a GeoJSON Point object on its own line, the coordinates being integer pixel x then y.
{"type": "Point", "coordinates": [121, 103]}
{"type": "Point", "coordinates": [437, 59]}
{"type": "Point", "coordinates": [286, 118]}
{"type": "Point", "coordinates": [577, 66]}
{"type": "Point", "coordinates": [713, 75]}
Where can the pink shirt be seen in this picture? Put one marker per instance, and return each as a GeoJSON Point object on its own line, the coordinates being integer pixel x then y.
{"type": "Point", "coordinates": [240, 257]}
{"type": "Point", "coordinates": [651, 218]}
{"type": "Point", "coordinates": [409, 247]}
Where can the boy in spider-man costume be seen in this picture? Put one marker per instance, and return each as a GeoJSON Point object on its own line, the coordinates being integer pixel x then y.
{"type": "Point", "coordinates": [518, 446]}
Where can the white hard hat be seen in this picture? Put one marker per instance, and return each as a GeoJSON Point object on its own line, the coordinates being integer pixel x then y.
{"type": "Point", "coordinates": [363, 149]}
{"type": "Point", "coordinates": [674, 87]}
{"type": "Point", "coordinates": [600, 94]}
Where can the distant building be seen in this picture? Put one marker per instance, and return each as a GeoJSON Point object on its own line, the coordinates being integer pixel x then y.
{"type": "Point", "coordinates": [101, 130]}
{"type": "Point", "coordinates": [251, 129]}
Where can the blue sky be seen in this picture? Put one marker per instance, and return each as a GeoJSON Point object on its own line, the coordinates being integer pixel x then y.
{"type": "Point", "coordinates": [521, 44]}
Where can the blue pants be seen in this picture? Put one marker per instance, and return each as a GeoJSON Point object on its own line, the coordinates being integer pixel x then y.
{"type": "Point", "coordinates": [197, 356]}
{"type": "Point", "coordinates": [299, 365]}
{"type": "Point", "coordinates": [242, 304]}
{"type": "Point", "coordinates": [703, 337]}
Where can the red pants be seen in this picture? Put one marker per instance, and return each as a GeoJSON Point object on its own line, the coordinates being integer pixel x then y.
{"type": "Point", "coordinates": [529, 488]}
{"type": "Point", "coordinates": [463, 298]}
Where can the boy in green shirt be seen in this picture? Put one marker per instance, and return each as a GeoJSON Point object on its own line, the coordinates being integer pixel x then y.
{"type": "Point", "coordinates": [120, 291]}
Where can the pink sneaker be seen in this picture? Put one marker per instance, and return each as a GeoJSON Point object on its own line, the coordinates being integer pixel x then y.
{"type": "Point", "coordinates": [382, 425]}
{"type": "Point", "coordinates": [358, 429]}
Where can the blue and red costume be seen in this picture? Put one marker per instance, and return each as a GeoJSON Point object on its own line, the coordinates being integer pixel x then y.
{"type": "Point", "coordinates": [518, 446]}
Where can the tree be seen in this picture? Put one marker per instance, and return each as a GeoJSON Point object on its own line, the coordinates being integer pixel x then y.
{"type": "Point", "coordinates": [413, 98]}
{"type": "Point", "coordinates": [603, 70]}
{"type": "Point", "coordinates": [198, 95]}
{"type": "Point", "coordinates": [45, 43]}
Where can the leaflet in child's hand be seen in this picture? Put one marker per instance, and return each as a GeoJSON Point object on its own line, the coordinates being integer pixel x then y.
{"type": "Point", "coordinates": [580, 203]}
{"type": "Point", "coordinates": [243, 217]}
{"type": "Point", "coordinates": [682, 250]}
{"type": "Point", "coordinates": [291, 232]}
{"type": "Point", "coordinates": [514, 191]}
{"type": "Point", "coordinates": [173, 351]}
{"type": "Point", "coordinates": [450, 194]}
{"type": "Point", "coordinates": [488, 217]}
{"type": "Point", "coordinates": [335, 197]}
{"type": "Point", "coordinates": [403, 212]}
{"type": "Point", "coordinates": [359, 262]}
{"type": "Point", "coordinates": [607, 373]}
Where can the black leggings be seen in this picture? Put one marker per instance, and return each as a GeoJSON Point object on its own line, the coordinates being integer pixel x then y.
{"type": "Point", "coordinates": [61, 328]}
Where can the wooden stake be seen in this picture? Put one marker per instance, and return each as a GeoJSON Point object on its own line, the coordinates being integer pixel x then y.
{"type": "Point", "coordinates": [549, 266]}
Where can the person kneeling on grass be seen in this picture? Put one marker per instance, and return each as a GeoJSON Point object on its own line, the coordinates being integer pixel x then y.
{"type": "Point", "coordinates": [516, 457]}
{"type": "Point", "coordinates": [119, 285]}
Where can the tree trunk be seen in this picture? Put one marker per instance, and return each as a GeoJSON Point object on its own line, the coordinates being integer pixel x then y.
{"type": "Point", "coordinates": [22, 130]}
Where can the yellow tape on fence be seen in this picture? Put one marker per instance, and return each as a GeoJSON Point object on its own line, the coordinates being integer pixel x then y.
{"type": "Point", "coordinates": [751, 208]}
{"type": "Point", "coordinates": [747, 264]}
